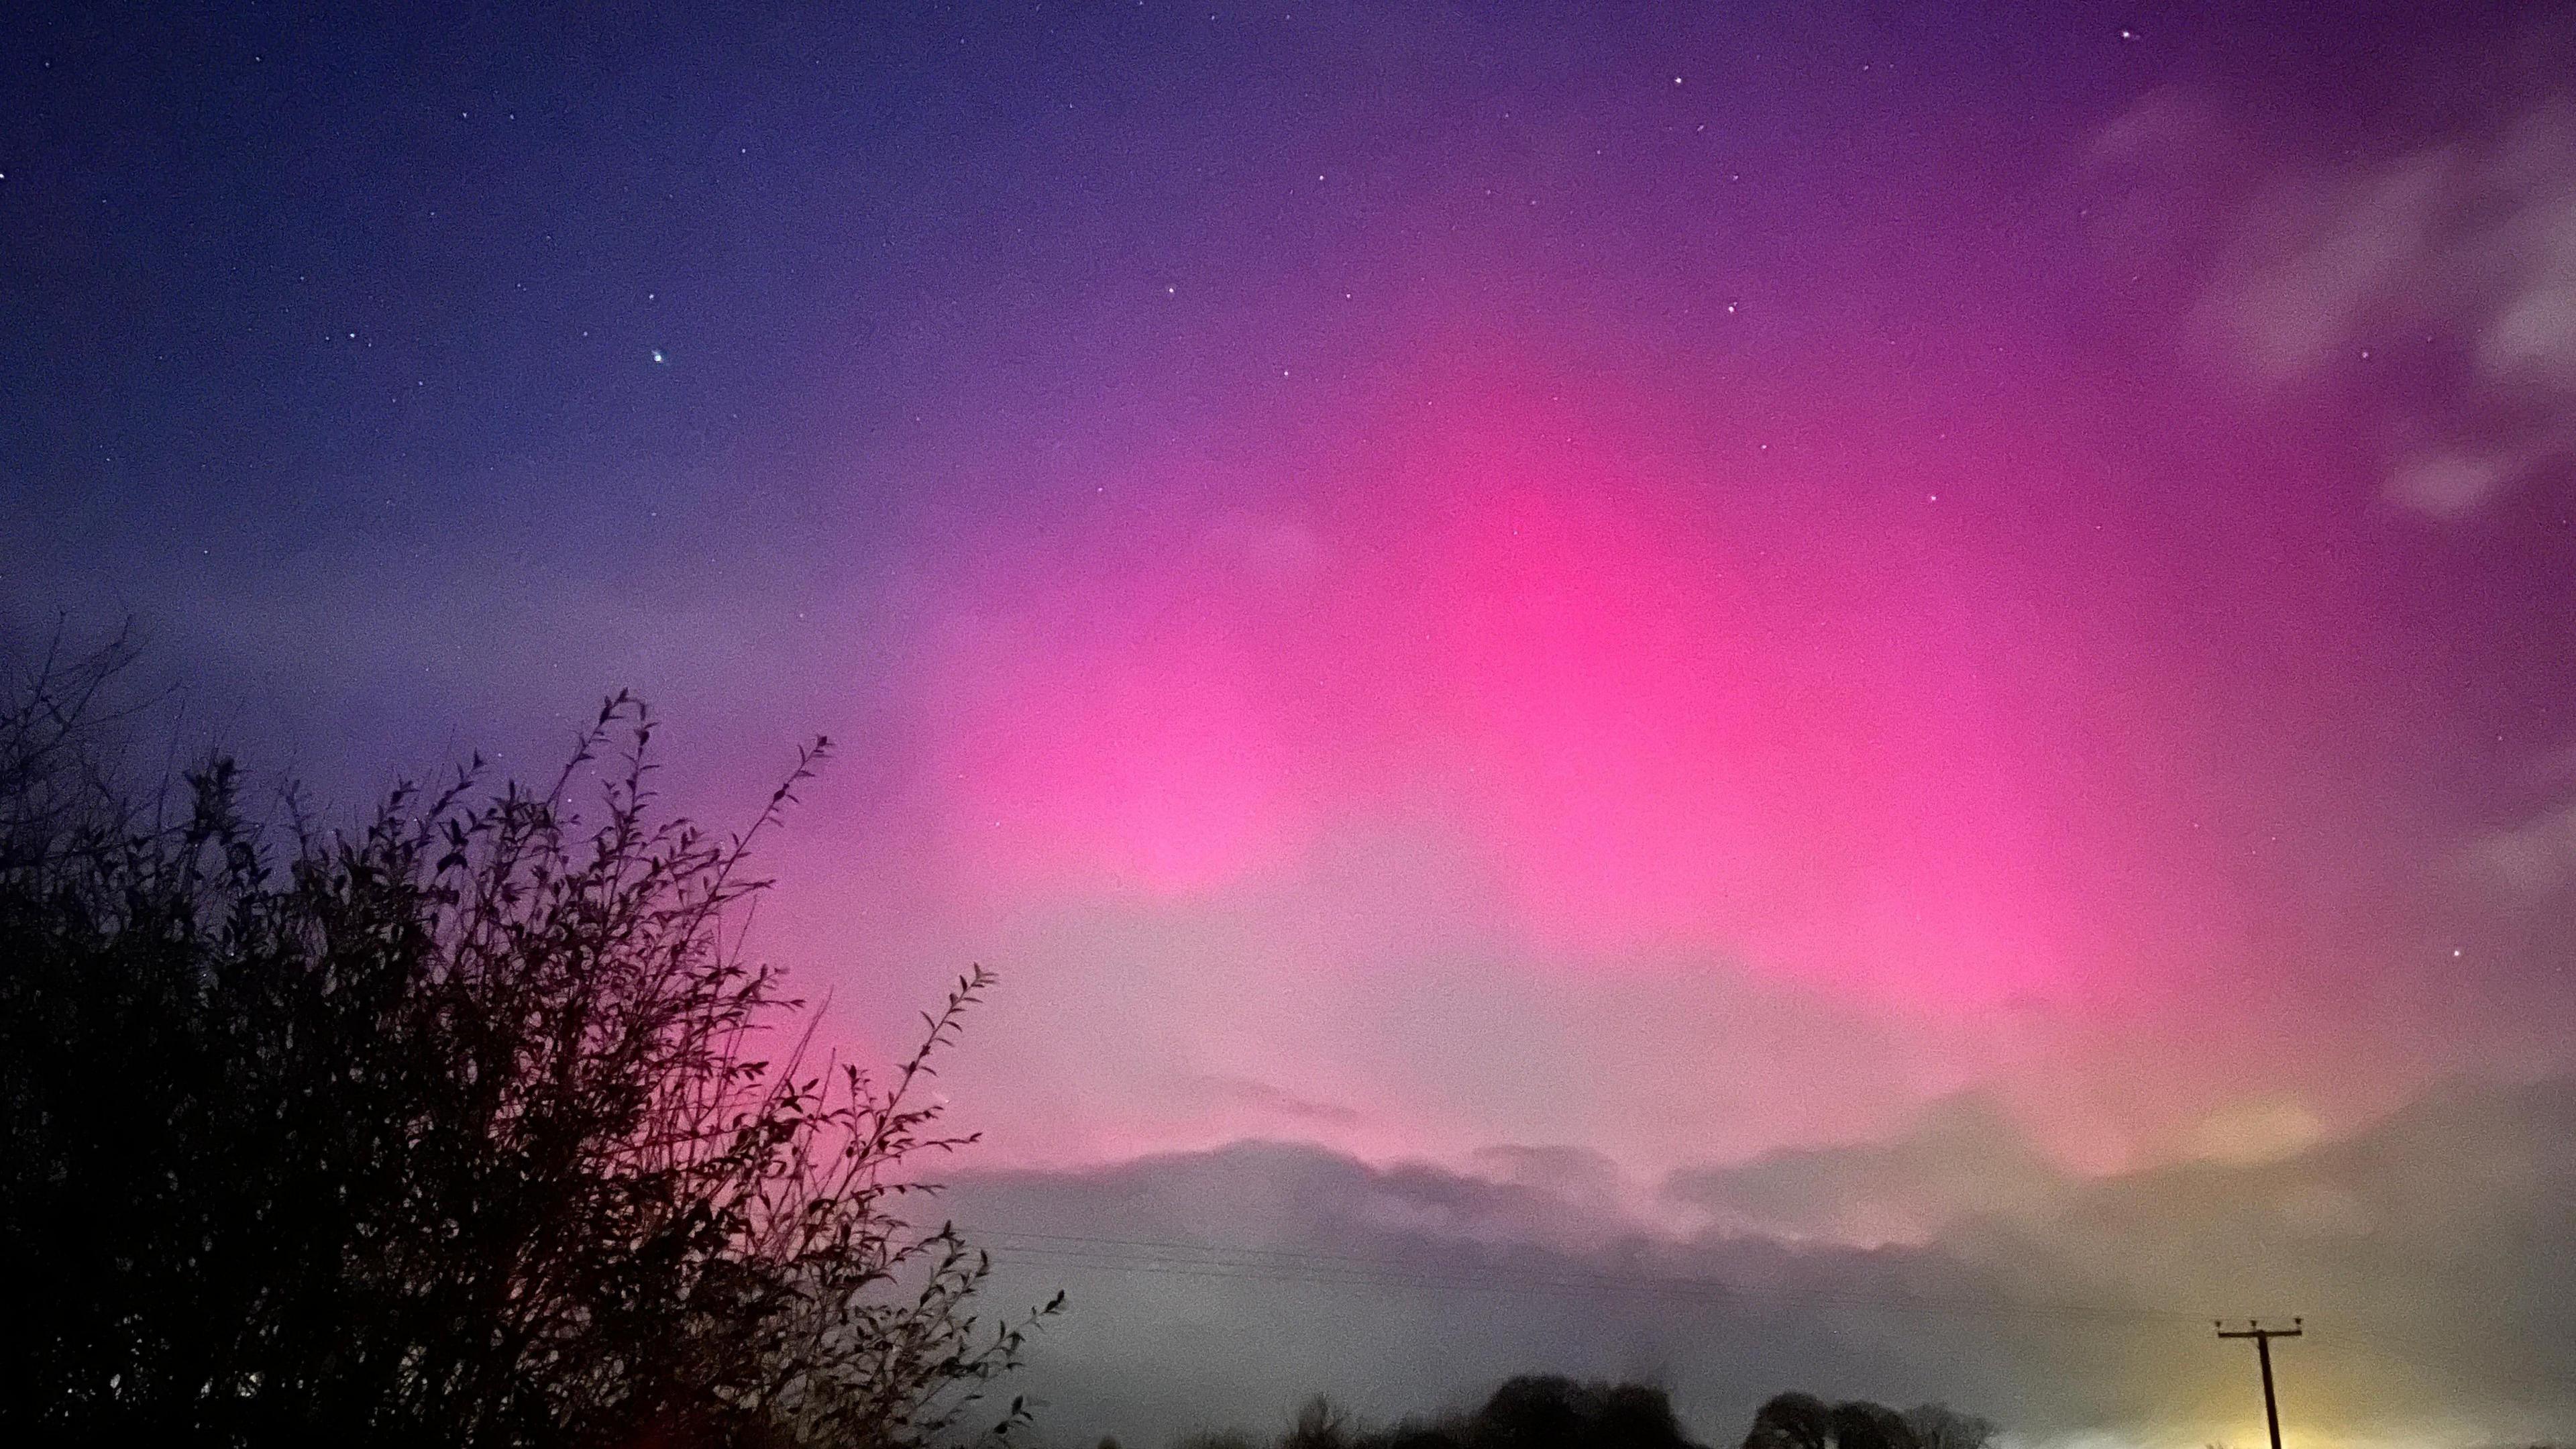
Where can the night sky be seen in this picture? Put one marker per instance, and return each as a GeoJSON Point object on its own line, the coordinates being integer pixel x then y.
{"type": "Point", "coordinates": [1748, 630]}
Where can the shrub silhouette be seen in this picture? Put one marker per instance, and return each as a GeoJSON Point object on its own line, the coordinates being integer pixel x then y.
{"type": "Point", "coordinates": [453, 1129]}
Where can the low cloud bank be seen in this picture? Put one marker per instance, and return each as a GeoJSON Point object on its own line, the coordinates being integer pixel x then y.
{"type": "Point", "coordinates": [2432, 1253]}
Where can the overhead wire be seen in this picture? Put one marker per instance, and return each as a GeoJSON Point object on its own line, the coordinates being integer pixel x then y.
{"type": "Point", "coordinates": [1206, 1260]}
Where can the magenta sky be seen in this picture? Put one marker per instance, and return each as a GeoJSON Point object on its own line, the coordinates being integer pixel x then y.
{"type": "Point", "coordinates": [1902, 696]}
{"type": "Point", "coordinates": [1418, 579]}
{"type": "Point", "coordinates": [1827, 643]}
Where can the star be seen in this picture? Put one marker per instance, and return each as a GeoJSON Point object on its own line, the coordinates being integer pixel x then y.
{"type": "Point", "coordinates": [658, 357]}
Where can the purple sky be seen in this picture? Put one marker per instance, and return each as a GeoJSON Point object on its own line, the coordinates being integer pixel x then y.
{"type": "Point", "coordinates": [1699, 588]}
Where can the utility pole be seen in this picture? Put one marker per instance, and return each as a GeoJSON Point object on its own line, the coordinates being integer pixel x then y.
{"type": "Point", "coordinates": [2263, 1350]}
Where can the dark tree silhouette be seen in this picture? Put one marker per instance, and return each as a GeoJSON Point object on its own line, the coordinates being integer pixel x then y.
{"type": "Point", "coordinates": [1803, 1421]}
{"type": "Point", "coordinates": [1791, 1421]}
{"type": "Point", "coordinates": [459, 1128]}
{"type": "Point", "coordinates": [1938, 1426]}
{"type": "Point", "coordinates": [1533, 1411]}
{"type": "Point", "coordinates": [1859, 1424]}
{"type": "Point", "coordinates": [1545, 1411]}
{"type": "Point", "coordinates": [1320, 1424]}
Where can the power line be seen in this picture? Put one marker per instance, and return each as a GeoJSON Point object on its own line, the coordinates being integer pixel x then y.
{"type": "Point", "coordinates": [1276, 1265]}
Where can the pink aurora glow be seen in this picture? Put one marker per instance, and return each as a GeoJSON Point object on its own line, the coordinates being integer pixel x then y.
{"type": "Point", "coordinates": [1896, 760]}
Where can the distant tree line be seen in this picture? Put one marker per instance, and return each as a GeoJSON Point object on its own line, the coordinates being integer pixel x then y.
{"type": "Point", "coordinates": [470, 1125]}
{"type": "Point", "coordinates": [1552, 1412]}
{"type": "Point", "coordinates": [1802, 1421]}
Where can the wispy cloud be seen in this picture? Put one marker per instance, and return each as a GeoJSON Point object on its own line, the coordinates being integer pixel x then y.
{"type": "Point", "coordinates": [2536, 856]}
{"type": "Point", "coordinates": [2450, 261]}
{"type": "Point", "coordinates": [1271, 1100]}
